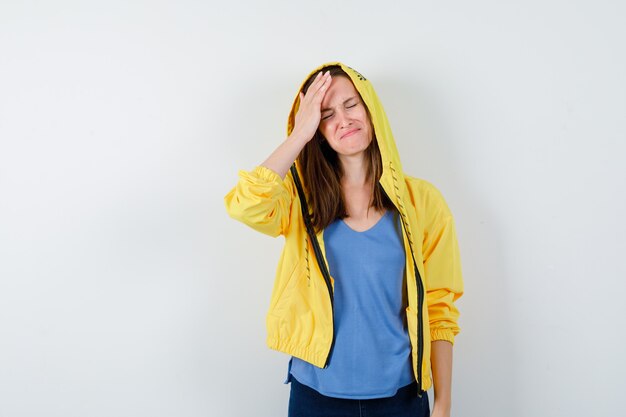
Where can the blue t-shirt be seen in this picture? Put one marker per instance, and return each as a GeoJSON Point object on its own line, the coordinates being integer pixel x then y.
{"type": "Point", "coordinates": [371, 357]}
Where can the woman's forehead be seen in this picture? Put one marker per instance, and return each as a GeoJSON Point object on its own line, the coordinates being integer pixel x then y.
{"type": "Point", "coordinates": [341, 89]}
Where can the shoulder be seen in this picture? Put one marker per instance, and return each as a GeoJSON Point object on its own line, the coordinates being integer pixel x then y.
{"type": "Point", "coordinates": [419, 184]}
{"type": "Point", "coordinates": [427, 199]}
{"type": "Point", "coordinates": [423, 189]}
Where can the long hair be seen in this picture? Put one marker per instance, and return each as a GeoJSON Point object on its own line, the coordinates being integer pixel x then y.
{"type": "Point", "coordinates": [322, 172]}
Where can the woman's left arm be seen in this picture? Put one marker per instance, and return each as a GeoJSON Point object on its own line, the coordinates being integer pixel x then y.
{"type": "Point", "coordinates": [444, 285]}
{"type": "Point", "coordinates": [441, 363]}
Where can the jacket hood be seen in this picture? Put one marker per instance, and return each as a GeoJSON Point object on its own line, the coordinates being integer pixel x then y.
{"type": "Point", "coordinates": [388, 151]}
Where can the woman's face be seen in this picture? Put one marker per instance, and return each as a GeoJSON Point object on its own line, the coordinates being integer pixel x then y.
{"type": "Point", "coordinates": [345, 123]}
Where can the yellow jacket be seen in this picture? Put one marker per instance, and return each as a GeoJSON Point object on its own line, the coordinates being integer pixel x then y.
{"type": "Point", "coordinates": [300, 317]}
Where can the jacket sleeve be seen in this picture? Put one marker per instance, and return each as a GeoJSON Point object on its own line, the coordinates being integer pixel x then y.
{"type": "Point", "coordinates": [262, 200]}
{"type": "Point", "coordinates": [442, 267]}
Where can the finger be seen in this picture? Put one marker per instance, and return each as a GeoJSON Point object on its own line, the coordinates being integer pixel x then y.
{"type": "Point", "coordinates": [320, 80]}
{"type": "Point", "coordinates": [321, 91]}
{"type": "Point", "coordinates": [315, 82]}
{"type": "Point", "coordinates": [324, 79]}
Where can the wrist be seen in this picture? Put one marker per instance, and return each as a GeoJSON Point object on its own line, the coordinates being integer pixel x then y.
{"type": "Point", "coordinates": [442, 406]}
{"type": "Point", "coordinates": [298, 137]}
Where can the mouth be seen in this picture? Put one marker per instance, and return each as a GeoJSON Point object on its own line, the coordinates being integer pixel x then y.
{"type": "Point", "coordinates": [349, 133]}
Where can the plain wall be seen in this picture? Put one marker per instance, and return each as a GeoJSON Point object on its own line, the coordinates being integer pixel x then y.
{"type": "Point", "coordinates": [125, 289]}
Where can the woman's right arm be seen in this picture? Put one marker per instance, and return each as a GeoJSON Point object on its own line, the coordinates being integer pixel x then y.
{"type": "Point", "coordinates": [306, 123]}
{"type": "Point", "coordinates": [261, 199]}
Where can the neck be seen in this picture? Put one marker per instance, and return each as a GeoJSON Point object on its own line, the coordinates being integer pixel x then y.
{"type": "Point", "coordinates": [354, 170]}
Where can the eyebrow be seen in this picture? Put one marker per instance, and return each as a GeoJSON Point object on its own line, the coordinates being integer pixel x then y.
{"type": "Point", "coordinates": [344, 102]}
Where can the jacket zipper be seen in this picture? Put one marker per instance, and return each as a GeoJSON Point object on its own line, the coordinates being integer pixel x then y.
{"type": "Point", "coordinates": [318, 255]}
{"type": "Point", "coordinates": [321, 260]}
{"type": "Point", "coordinates": [420, 303]}
{"type": "Point", "coordinates": [420, 323]}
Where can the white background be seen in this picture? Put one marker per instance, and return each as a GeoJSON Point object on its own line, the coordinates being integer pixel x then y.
{"type": "Point", "coordinates": [125, 290]}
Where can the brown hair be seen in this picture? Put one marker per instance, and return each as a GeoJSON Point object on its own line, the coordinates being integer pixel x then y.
{"type": "Point", "coordinates": [322, 172]}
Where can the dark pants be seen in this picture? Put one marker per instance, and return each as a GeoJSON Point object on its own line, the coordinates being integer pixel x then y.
{"type": "Point", "coordinates": [306, 402]}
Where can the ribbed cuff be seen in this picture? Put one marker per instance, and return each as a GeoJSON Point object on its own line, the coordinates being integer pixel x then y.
{"type": "Point", "coordinates": [266, 174]}
{"type": "Point", "coordinates": [442, 334]}
{"type": "Point", "coordinates": [261, 175]}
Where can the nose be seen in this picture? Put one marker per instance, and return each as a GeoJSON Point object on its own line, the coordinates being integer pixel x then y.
{"type": "Point", "coordinates": [343, 119]}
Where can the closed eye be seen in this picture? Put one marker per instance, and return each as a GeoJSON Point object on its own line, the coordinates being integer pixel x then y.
{"type": "Point", "coordinates": [353, 99]}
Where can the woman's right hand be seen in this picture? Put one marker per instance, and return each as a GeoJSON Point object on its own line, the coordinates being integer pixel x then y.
{"type": "Point", "coordinates": [309, 113]}
{"type": "Point", "coordinates": [306, 123]}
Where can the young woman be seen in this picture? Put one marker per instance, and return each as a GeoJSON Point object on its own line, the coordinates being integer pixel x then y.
{"type": "Point", "coordinates": [364, 294]}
